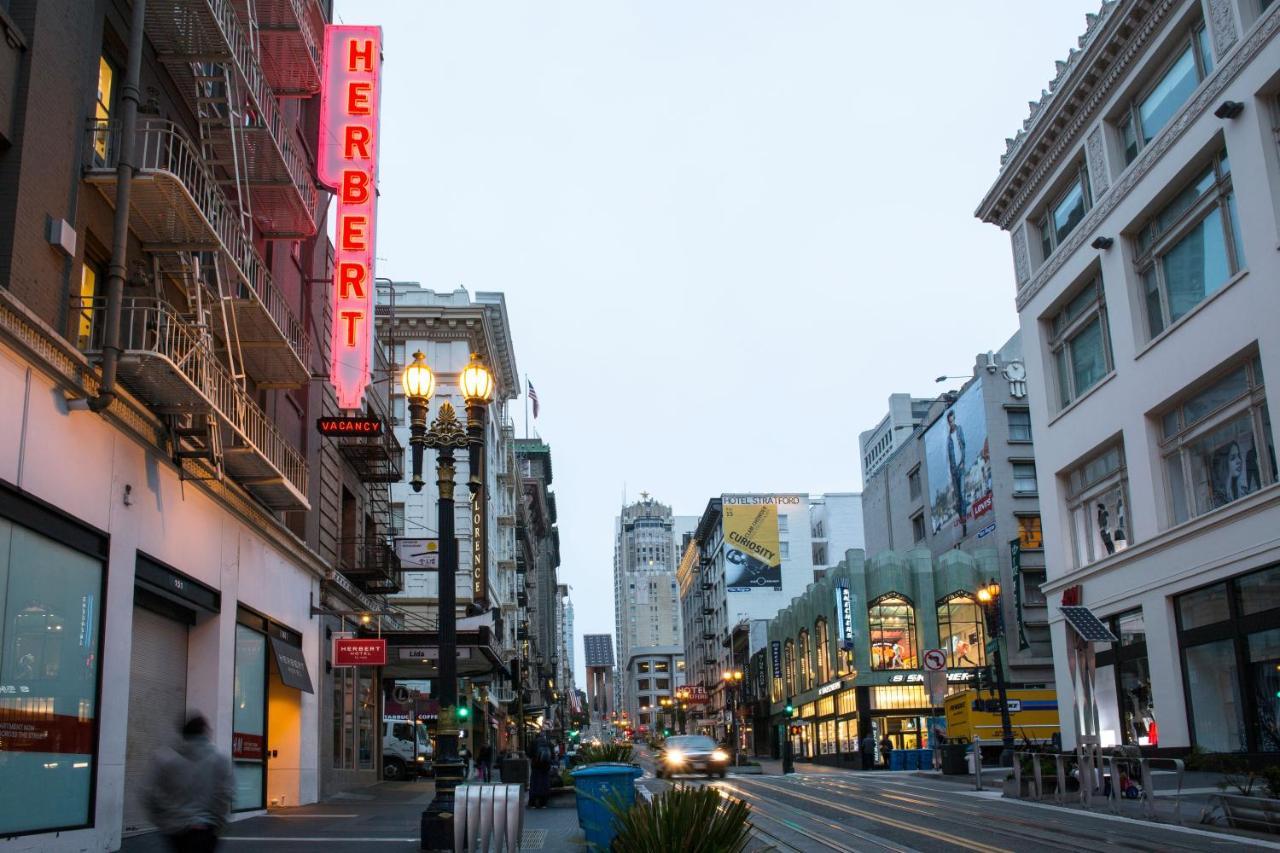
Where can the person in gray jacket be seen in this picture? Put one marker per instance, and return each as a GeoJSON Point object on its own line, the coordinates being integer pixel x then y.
{"type": "Point", "coordinates": [189, 790]}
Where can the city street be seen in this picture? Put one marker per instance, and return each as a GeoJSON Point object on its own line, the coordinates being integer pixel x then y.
{"type": "Point", "coordinates": [822, 808]}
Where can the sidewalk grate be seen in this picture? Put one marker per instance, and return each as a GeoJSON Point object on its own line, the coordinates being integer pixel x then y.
{"type": "Point", "coordinates": [533, 839]}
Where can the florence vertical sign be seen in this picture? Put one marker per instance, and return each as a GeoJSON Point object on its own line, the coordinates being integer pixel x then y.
{"type": "Point", "coordinates": [348, 162]}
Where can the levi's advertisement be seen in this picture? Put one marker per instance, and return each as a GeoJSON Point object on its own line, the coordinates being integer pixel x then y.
{"type": "Point", "coordinates": [751, 555]}
{"type": "Point", "coordinates": [958, 461]}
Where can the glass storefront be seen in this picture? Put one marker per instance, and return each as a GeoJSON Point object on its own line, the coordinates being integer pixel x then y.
{"type": "Point", "coordinates": [962, 632]}
{"type": "Point", "coordinates": [1229, 634]}
{"type": "Point", "coordinates": [249, 718]}
{"type": "Point", "coordinates": [354, 718]}
{"type": "Point", "coordinates": [51, 600]}
{"type": "Point", "coordinates": [1125, 700]}
{"type": "Point", "coordinates": [892, 621]}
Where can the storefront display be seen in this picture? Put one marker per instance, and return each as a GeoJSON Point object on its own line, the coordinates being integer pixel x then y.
{"type": "Point", "coordinates": [892, 621]}
{"type": "Point", "coordinates": [50, 598]}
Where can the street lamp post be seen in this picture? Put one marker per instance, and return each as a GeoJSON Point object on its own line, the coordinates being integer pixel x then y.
{"type": "Point", "coordinates": [732, 681]}
{"type": "Point", "coordinates": [989, 597]}
{"type": "Point", "coordinates": [444, 436]}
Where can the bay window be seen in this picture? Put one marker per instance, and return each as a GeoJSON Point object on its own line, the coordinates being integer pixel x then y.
{"type": "Point", "coordinates": [892, 622]}
{"type": "Point", "coordinates": [1217, 444]}
{"type": "Point", "coordinates": [1098, 499]}
{"type": "Point", "coordinates": [1191, 248]}
{"type": "Point", "coordinates": [1080, 342]}
{"type": "Point", "coordinates": [962, 631]}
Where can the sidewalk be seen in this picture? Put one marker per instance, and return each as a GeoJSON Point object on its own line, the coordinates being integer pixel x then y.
{"type": "Point", "coordinates": [386, 814]}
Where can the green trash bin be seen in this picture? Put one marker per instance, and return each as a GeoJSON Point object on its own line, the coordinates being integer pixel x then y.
{"type": "Point", "coordinates": [953, 759]}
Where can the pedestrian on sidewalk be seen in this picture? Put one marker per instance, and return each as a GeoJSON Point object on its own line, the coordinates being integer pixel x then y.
{"type": "Point", "coordinates": [189, 790]}
{"type": "Point", "coordinates": [886, 750]}
{"type": "Point", "coordinates": [484, 762]}
{"type": "Point", "coordinates": [868, 748]}
{"type": "Point", "coordinates": [464, 755]}
{"type": "Point", "coordinates": [541, 758]}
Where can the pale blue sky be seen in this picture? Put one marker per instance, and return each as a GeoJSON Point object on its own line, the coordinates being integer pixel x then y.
{"type": "Point", "coordinates": [727, 231]}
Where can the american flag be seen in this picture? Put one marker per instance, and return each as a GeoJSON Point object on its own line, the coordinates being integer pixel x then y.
{"type": "Point", "coordinates": [533, 398]}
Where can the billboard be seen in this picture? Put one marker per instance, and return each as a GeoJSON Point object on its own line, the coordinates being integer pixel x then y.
{"type": "Point", "coordinates": [958, 461]}
{"type": "Point", "coordinates": [751, 554]}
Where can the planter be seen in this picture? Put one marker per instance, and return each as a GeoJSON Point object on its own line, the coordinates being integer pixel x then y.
{"type": "Point", "coordinates": [1260, 814]}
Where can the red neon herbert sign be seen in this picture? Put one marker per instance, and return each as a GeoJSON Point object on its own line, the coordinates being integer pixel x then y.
{"type": "Point", "coordinates": [348, 163]}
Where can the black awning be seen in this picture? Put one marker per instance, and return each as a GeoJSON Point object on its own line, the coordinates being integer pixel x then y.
{"type": "Point", "coordinates": [292, 665]}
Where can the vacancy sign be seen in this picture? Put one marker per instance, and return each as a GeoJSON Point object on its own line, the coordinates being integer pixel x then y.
{"type": "Point", "coordinates": [355, 652]}
{"type": "Point", "coordinates": [348, 163]}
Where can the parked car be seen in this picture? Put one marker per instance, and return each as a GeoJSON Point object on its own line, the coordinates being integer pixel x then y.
{"type": "Point", "coordinates": [692, 754]}
{"type": "Point", "coordinates": [400, 758]}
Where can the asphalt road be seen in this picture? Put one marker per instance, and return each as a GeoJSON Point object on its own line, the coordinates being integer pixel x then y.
{"type": "Point", "coordinates": [827, 809]}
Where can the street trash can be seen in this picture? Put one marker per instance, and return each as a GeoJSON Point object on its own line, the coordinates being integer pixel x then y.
{"type": "Point", "coordinates": [597, 785]}
{"type": "Point", "coordinates": [514, 771]}
{"type": "Point", "coordinates": [953, 759]}
{"type": "Point", "coordinates": [898, 759]}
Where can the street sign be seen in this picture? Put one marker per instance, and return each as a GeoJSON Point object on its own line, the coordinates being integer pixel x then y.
{"type": "Point", "coordinates": [348, 651]}
{"type": "Point", "coordinates": [993, 645]}
{"type": "Point", "coordinates": [935, 660]}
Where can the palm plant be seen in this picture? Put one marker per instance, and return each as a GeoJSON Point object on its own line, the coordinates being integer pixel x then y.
{"type": "Point", "coordinates": [611, 752]}
{"type": "Point", "coordinates": [682, 820]}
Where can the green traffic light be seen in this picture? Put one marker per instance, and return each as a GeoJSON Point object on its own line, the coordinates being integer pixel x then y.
{"type": "Point", "coordinates": [463, 712]}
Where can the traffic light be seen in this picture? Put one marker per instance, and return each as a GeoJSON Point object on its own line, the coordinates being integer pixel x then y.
{"type": "Point", "coordinates": [463, 712]}
{"type": "Point", "coordinates": [666, 732]}
{"type": "Point", "coordinates": [791, 709]}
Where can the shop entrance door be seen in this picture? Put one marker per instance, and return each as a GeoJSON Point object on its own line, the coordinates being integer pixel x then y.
{"type": "Point", "coordinates": [157, 703]}
{"type": "Point", "coordinates": [905, 732]}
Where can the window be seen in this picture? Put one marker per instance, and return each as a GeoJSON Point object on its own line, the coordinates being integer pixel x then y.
{"type": "Point", "coordinates": [913, 483]}
{"type": "Point", "coordinates": [917, 527]}
{"type": "Point", "coordinates": [1081, 343]}
{"type": "Point", "coordinates": [789, 667]}
{"type": "Point", "coordinates": [783, 523]}
{"type": "Point", "coordinates": [1019, 424]}
{"type": "Point", "coordinates": [50, 604]}
{"type": "Point", "coordinates": [1191, 248]}
{"type": "Point", "coordinates": [784, 550]}
{"type": "Point", "coordinates": [1217, 444]}
{"type": "Point", "coordinates": [962, 631]}
{"type": "Point", "coordinates": [642, 684]}
{"type": "Point", "coordinates": [1098, 499]}
{"type": "Point", "coordinates": [806, 662]}
{"type": "Point", "coordinates": [1229, 634]}
{"type": "Point", "coordinates": [102, 109]}
{"type": "Point", "coordinates": [823, 651]}
{"type": "Point", "coordinates": [1131, 708]}
{"type": "Point", "coordinates": [397, 519]}
{"type": "Point", "coordinates": [1024, 478]}
{"type": "Point", "coordinates": [1065, 213]}
{"type": "Point", "coordinates": [1030, 537]}
{"type": "Point", "coordinates": [90, 275]}
{"type": "Point", "coordinates": [1158, 103]}
{"type": "Point", "coordinates": [892, 622]}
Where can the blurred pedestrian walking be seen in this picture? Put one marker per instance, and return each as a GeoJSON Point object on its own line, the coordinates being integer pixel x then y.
{"type": "Point", "coordinates": [188, 793]}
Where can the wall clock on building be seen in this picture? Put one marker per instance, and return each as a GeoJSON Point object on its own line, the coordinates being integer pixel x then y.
{"type": "Point", "coordinates": [1016, 373]}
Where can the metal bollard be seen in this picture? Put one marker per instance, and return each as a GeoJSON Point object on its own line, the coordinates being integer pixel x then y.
{"type": "Point", "coordinates": [1113, 789]}
{"type": "Point", "coordinates": [977, 763]}
{"type": "Point", "coordinates": [487, 818]}
{"type": "Point", "coordinates": [1060, 764]}
{"type": "Point", "coordinates": [1037, 775]}
{"type": "Point", "coordinates": [1017, 775]}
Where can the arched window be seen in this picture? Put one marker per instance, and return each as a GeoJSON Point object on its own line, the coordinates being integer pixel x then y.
{"type": "Point", "coordinates": [962, 631]}
{"type": "Point", "coordinates": [789, 667]}
{"type": "Point", "coordinates": [806, 661]}
{"type": "Point", "coordinates": [893, 633]}
{"type": "Point", "coordinates": [823, 651]}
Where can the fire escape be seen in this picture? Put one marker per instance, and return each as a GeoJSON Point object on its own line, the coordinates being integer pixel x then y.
{"type": "Point", "coordinates": [215, 329]}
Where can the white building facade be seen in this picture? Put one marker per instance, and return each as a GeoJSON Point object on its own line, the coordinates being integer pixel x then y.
{"type": "Point", "coordinates": [1141, 197]}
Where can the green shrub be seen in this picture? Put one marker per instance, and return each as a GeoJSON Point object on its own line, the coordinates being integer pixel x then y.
{"type": "Point", "coordinates": [683, 820]}
{"type": "Point", "coordinates": [612, 752]}
{"type": "Point", "coordinates": [1271, 775]}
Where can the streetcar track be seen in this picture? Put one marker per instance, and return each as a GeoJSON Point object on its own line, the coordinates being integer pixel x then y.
{"type": "Point", "coordinates": [917, 804]}
{"type": "Point", "coordinates": [747, 796]}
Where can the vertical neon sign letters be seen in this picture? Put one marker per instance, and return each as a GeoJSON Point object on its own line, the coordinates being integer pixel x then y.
{"type": "Point", "coordinates": [348, 163]}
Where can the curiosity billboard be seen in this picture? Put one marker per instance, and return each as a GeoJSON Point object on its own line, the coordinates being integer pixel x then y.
{"type": "Point", "coordinates": [752, 559]}
{"type": "Point", "coordinates": [958, 461]}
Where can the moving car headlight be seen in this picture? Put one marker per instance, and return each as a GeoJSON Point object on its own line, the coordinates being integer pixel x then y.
{"type": "Point", "coordinates": [422, 758]}
{"type": "Point", "coordinates": [719, 755]}
{"type": "Point", "coordinates": [674, 756]}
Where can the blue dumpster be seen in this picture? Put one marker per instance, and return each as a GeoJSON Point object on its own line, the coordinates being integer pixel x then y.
{"type": "Point", "coordinates": [897, 759]}
{"type": "Point", "coordinates": [596, 786]}
{"type": "Point", "coordinates": [911, 761]}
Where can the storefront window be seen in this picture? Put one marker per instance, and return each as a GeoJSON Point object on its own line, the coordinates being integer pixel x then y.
{"type": "Point", "coordinates": [50, 597]}
{"type": "Point", "coordinates": [368, 711]}
{"type": "Point", "coordinates": [789, 667]}
{"type": "Point", "coordinates": [827, 738]}
{"type": "Point", "coordinates": [1264, 666]}
{"type": "Point", "coordinates": [806, 663]}
{"type": "Point", "coordinates": [847, 702]}
{"type": "Point", "coordinates": [847, 735]}
{"type": "Point", "coordinates": [1259, 591]}
{"type": "Point", "coordinates": [897, 696]}
{"type": "Point", "coordinates": [826, 706]}
{"type": "Point", "coordinates": [1204, 607]}
{"type": "Point", "coordinates": [1127, 665]}
{"type": "Point", "coordinates": [1213, 691]}
{"type": "Point", "coordinates": [249, 718]}
{"type": "Point", "coordinates": [961, 631]}
{"type": "Point", "coordinates": [822, 651]}
{"type": "Point", "coordinates": [893, 633]}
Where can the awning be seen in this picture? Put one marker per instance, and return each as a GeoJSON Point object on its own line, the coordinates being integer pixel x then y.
{"type": "Point", "coordinates": [292, 665]}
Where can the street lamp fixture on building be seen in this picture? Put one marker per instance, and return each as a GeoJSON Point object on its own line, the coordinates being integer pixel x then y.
{"type": "Point", "coordinates": [989, 598]}
{"type": "Point", "coordinates": [419, 384]}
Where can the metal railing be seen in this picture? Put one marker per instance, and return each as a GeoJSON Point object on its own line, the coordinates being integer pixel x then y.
{"type": "Point", "coordinates": [162, 146]}
{"type": "Point", "coordinates": [171, 30]}
{"type": "Point", "coordinates": [152, 326]}
{"type": "Point", "coordinates": [272, 16]}
{"type": "Point", "coordinates": [1098, 775]}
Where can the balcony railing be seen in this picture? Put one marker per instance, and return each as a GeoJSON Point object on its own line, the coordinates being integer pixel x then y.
{"type": "Point", "coordinates": [371, 564]}
{"type": "Point", "coordinates": [376, 458]}
{"type": "Point", "coordinates": [290, 34]}
{"type": "Point", "coordinates": [176, 203]}
{"type": "Point", "coordinates": [168, 364]}
{"type": "Point", "coordinates": [192, 37]}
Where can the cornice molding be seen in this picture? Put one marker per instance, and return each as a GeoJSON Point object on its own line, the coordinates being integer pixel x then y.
{"type": "Point", "coordinates": [1211, 90]}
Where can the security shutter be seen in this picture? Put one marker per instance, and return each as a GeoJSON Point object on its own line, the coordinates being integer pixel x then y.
{"type": "Point", "coordinates": [157, 702]}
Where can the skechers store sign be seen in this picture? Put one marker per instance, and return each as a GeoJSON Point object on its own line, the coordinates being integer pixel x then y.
{"type": "Point", "coordinates": [918, 678]}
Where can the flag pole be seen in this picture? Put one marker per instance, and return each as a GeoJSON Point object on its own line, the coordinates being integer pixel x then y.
{"type": "Point", "coordinates": [526, 406]}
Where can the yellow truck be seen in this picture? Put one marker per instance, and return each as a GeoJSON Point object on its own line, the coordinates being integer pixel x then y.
{"type": "Point", "coordinates": [1033, 714]}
